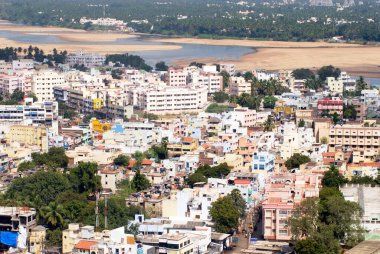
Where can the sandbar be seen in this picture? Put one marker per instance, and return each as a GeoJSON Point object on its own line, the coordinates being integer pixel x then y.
{"type": "Point", "coordinates": [256, 43]}
{"type": "Point", "coordinates": [88, 36]}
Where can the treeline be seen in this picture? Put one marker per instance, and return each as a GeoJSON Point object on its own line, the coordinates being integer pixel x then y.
{"type": "Point", "coordinates": [217, 18]}
{"type": "Point", "coordinates": [10, 53]}
{"type": "Point", "coordinates": [128, 61]}
{"type": "Point", "coordinates": [62, 196]}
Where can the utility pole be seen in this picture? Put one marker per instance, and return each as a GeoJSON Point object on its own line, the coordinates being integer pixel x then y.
{"type": "Point", "coordinates": [97, 211]}
{"type": "Point", "coordinates": [105, 211]}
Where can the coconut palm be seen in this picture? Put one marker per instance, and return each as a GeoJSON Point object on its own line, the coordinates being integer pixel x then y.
{"type": "Point", "coordinates": [269, 124]}
{"type": "Point", "coordinates": [53, 214]}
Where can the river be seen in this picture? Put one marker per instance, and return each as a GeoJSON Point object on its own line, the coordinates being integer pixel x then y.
{"type": "Point", "coordinates": [186, 52]}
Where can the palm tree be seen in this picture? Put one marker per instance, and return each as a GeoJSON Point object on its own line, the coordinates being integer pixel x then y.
{"type": "Point", "coordinates": [54, 214]}
{"type": "Point", "coordinates": [269, 124]}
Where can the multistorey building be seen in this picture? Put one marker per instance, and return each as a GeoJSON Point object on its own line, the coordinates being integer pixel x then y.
{"type": "Point", "coordinates": [86, 59]}
{"type": "Point", "coordinates": [43, 83]}
{"type": "Point", "coordinates": [355, 137]}
{"type": "Point", "coordinates": [238, 86]}
{"type": "Point", "coordinates": [45, 113]}
{"type": "Point", "coordinates": [161, 100]}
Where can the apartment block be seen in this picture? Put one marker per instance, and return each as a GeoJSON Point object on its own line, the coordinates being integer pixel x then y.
{"type": "Point", "coordinates": [238, 86]}
{"type": "Point", "coordinates": [330, 106]}
{"type": "Point", "coordinates": [169, 99]}
{"type": "Point", "coordinates": [29, 135]}
{"type": "Point", "coordinates": [40, 113]}
{"type": "Point", "coordinates": [88, 60]}
{"type": "Point", "coordinates": [177, 77]}
{"type": "Point", "coordinates": [43, 83]}
{"type": "Point", "coordinates": [282, 192]}
{"type": "Point", "coordinates": [355, 137]}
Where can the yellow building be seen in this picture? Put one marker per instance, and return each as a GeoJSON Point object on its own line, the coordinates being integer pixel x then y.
{"type": "Point", "coordinates": [70, 237]}
{"type": "Point", "coordinates": [29, 135]}
{"type": "Point", "coordinates": [281, 108]}
{"type": "Point", "coordinates": [187, 144]}
{"type": "Point", "coordinates": [100, 127]}
{"type": "Point", "coordinates": [37, 239]}
{"type": "Point", "coordinates": [235, 161]}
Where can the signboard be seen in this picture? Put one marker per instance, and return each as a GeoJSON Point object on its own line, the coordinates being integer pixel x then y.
{"type": "Point", "coordinates": [97, 103]}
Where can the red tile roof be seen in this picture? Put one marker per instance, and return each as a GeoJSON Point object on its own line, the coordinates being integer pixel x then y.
{"type": "Point", "coordinates": [84, 245]}
{"type": "Point", "coordinates": [242, 181]}
{"type": "Point", "coordinates": [187, 139]}
{"type": "Point", "coordinates": [146, 162]}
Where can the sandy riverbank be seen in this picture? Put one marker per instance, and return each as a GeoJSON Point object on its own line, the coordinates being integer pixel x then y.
{"type": "Point", "coordinates": [100, 48]}
{"type": "Point", "coordinates": [276, 55]}
{"type": "Point", "coordinates": [88, 36]}
{"type": "Point", "coordinates": [257, 44]}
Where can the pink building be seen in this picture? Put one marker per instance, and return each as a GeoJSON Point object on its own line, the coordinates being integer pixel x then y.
{"type": "Point", "coordinates": [330, 106]}
{"type": "Point", "coordinates": [282, 192]}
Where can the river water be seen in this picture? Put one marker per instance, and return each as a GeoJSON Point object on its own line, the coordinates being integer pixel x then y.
{"type": "Point", "coordinates": [187, 52]}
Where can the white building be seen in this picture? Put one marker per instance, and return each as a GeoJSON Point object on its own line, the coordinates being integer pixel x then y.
{"type": "Point", "coordinates": [238, 86]}
{"type": "Point", "coordinates": [212, 81]}
{"type": "Point", "coordinates": [177, 77]}
{"type": "Point", "coordinates": [43, 83]}
{"type": "Point", "coordinates": [162, 100]}
{"type": "Point", "coordinates": [45, 113]}
{"type": "Point", "coordinates": [87, 59]}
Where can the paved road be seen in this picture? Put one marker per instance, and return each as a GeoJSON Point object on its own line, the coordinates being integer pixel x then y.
{"type": "Point", "coordinates": [243, 240]}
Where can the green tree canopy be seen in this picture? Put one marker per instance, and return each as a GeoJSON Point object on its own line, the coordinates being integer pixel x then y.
{"type": "Point", "coordinates": [47, 185]}
{"type": "Point", "coordinates": [121, 160]}
{"type": "Point", "coordinates": [220, 97]}
{"type": "Point", "coordinates": [269, 102]}
{"type": "Point", "coordinates": [84, 177]}
{"type": "Point", "coordinates": [302, 73]}
{"type": "Point", "coordinates": [225, 215]}
{"type": "Point", "coordinates": [140, 182]}
{"type": "Point", "coordinates": [328, 71]}
{"type": "Point", "coordinates": [196, 178]}
{"type": "Point", "coordinates": [161, 66]}
{"type": "Point", "coordinates": [296, 160]}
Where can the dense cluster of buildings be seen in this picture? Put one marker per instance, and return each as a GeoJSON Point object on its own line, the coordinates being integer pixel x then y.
{"type": "Point", "coordinates": [179, 216]}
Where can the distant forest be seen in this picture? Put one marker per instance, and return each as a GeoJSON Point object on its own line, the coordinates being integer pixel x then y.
{"type": "Point", "coordinates": [277, 20]}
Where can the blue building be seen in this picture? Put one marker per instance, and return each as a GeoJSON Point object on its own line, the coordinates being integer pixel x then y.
{"type": "Point", "coordinates": [263, 161]}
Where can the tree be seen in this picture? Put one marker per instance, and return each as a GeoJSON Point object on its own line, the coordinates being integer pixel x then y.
{"type": "Point", "coordinates": [269, 124]}
{"type": "Point", "coordinates": [349, 112]}
{"type": "Point", "coordinates": [225, 215]}
{"type": "Point", "coordinates": [218, 171]}
{"type": "Point", "coordinates": [296, 160]}
{"type": "Point", "coordinates": [53, 215]}
{"type": "Point", "coordinates": [269, 102]}
{"type": "Point", "coordinates": [47, 185]}
{"type": "Point", "coordinates": [121, 160]}
{"type": "Point", "coordinates": [140, 182]}
{"type": "Point", "coordinates": [216, 108]}
{"type": "Point", "coordinates": [26, 165]}
{"type": "Point", "coordinates": [335, 118]}
{"type": "Point", "coordinates": [161, 66]}
{"type": "Point", "coordinates": [238, 201]}
{"type": "Point", "coordinates": [248, 75]}
{"type": "Point", "coordinates": [302, 73]}
{"type": "Point", "coordinates": [328, 71]}
{"type": "Point", "coordinates": [196, 178]}
{"type": "Point", "coordinates": [84, 177]}
{"type": "Point", "coordinates": [333, 178]}
{"type": "Point", "coordinates": [17, 95]}
{"type": "Point", "coordinates": [220, 97]}
{"type": "Point", "coordinates": [301, 123]}
{"type": "Point", "coordinates": [226, 78]}
{"type": "Point", "coordinates": [324, 140]}
{"type": "Point", "coordinates": [360, 86]}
